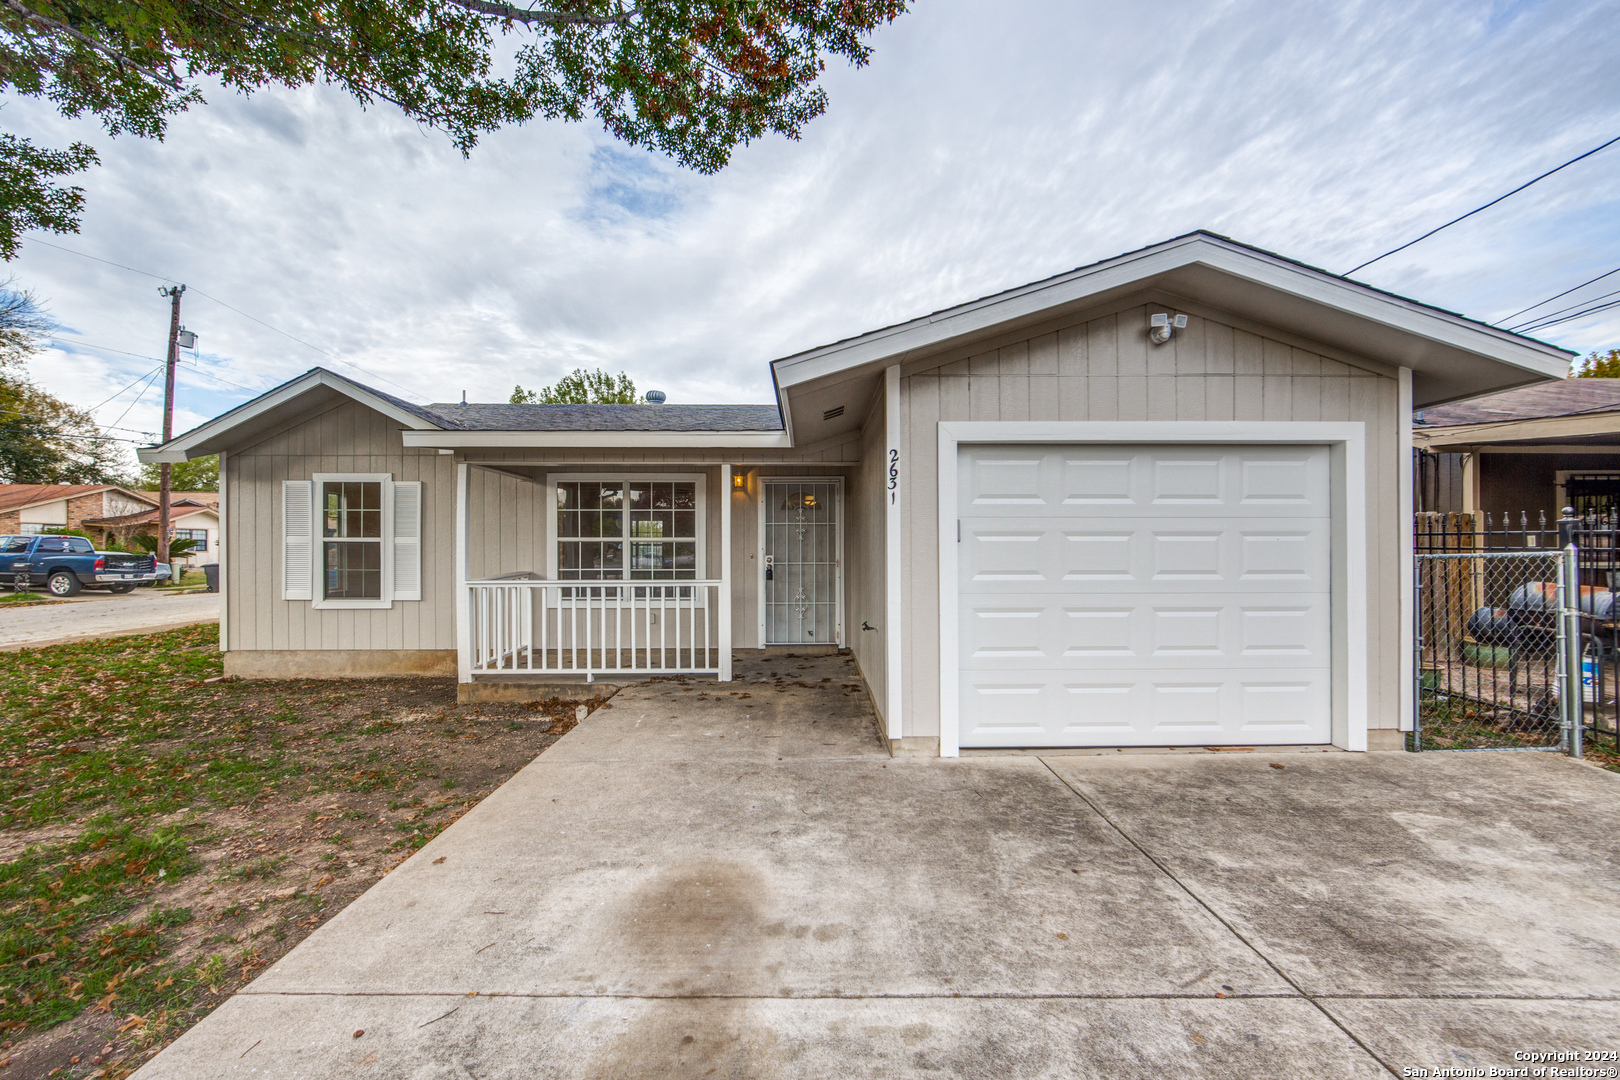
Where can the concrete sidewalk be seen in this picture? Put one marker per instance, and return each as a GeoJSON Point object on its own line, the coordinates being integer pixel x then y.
{"type": "Point", "coordinates": [695, 882]}
{"type": "Point", "coordinates": [101, 615]}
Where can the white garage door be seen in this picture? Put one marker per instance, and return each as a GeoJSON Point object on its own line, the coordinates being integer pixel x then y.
{"type": "Point", "coordinates": [1144, 595]}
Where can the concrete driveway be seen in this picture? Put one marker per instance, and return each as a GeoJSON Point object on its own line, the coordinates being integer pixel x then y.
{"type": "Point", "coordinates": [100, 614]}
{"type": "Point", "coordinates": [695, 883]}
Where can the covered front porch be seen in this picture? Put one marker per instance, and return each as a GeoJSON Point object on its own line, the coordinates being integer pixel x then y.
{"type": "Point", "coordinates": [617, 571]}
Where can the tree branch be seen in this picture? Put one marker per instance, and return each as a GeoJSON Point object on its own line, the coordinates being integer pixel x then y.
{"type": "Point", "coordinates": [116, 55]}
{"type": "Point", "coordinates": [498, 10]}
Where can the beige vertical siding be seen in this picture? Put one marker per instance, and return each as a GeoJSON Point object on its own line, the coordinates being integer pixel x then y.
{"type": "Point", "coordinates": [346, 438]}
{"type": "Point", "coordinates": [865, 581]}
{"type": "Point", "coordinates": [1105, 369]}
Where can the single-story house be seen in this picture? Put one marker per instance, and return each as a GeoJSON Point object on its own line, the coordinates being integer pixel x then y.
{"type": "Point", "coordinates": [193, 515]}
{"type": "Point", "coordinates": [1531, 451]}
{"type": "Point", "coordinates": [29, 509]}
{"type": "Point", "coordinates": [1161, 500]}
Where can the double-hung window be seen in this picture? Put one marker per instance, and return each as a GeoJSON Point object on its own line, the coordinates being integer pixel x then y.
{"type": "Point", "coordinates": [632, 529]}
{"type": "Point", "coordinates": [351, 540]}
{"type": "Point", "coordinates": [199, 535]}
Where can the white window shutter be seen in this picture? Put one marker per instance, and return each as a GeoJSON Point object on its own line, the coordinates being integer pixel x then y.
{"type": "Point", "coordinates": [297, 540]}
{"type": "Point", "coordinates": [408, 540]}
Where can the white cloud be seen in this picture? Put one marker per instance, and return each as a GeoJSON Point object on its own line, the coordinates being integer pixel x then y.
{"type": "Point", "coordinates": [986, 146]}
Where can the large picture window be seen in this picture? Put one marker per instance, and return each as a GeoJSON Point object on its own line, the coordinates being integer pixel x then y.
{"type": "Point", "coordinates": [628, 530]}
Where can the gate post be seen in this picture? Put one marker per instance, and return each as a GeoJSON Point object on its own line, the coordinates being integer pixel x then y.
{"type": "Point", "coordinates": [1573, 690]}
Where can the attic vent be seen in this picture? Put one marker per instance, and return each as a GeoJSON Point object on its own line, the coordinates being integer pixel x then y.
{"type": "Point", "coordinates": [833, 414]}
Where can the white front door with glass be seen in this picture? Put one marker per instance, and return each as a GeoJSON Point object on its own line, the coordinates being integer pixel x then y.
{"type": "Point", "coordinates": [802, 548]}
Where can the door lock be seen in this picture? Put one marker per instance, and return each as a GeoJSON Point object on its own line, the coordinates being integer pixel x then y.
{"type": "Point", "coordinates": [769, 566]}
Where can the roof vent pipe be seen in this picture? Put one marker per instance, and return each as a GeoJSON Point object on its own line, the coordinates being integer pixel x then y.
{"type": "Point", "coordinates": [655, 397]}
{"type": "Point", "coordinates": [464, 397]}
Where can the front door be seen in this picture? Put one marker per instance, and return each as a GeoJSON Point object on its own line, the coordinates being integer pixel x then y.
{"type": "Point", "coordinates": [802, 541]}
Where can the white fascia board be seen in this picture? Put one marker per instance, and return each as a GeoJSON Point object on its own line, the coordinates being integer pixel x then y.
{"type": "Point", "coordinates": [1075, 287]}
{"type": "Point", "coordinates": [683, 440]}
{"type": "Point", "coordinates": [182, 448]}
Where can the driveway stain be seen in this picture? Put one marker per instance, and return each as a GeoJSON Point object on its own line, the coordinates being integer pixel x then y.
{"type": "Point", "coordinates": [696, 934]}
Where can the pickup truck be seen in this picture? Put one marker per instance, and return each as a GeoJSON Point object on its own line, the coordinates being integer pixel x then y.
{"type": "Point", "coordinates": [64, 565]}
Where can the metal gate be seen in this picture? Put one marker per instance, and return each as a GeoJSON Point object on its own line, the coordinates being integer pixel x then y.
{"type": "Point", "coordinates": [1498, 651]}
{"type": "Point", "coordinates": [802, 541]}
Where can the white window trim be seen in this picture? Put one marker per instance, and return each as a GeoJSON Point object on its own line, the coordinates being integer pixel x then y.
{"type": "Point", "coordinates": [318, 555]}
{"type": "Point", "coordinates": [697, 479]}
{"type": "Point", "coordinates": [1351, 680]}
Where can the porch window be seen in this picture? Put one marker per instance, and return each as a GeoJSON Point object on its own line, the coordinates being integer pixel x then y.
{"type": "Point", "coordinates": [628, 530]}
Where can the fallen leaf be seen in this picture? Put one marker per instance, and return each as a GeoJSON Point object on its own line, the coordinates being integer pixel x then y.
{"type": "Point", "coordinates": [1274, 765]}
{"type": "Point", "coordinates": [441, 858]}
{"type": "Point", "coordinates": [360, 1032]}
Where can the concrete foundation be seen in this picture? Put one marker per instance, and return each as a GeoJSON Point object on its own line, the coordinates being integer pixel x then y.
{"type": "Point", "coordinates": [1386, 739]}
{"type": "Point", "coordinates": [339, 663]}
{"type": "Point", "coordinates": [522, 689]}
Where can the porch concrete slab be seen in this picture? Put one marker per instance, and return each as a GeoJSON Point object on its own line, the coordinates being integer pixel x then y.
{"type": "Point", "coordinates": [1480, 1034]}
{"type": "Point", "coordinates": [852, 876]}
{"type": "Point", "coordinates": [777, 707]}
{"type": "Point", "coordinates": [1418, 875]}
{"type": "Point", "coordinates": [303, 1038]}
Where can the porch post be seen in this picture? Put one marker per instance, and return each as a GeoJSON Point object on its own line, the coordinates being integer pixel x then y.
{"type": "Point", "coordinates": [893, 561]}
{"type": "Point", "coordinates": [463, 592]}
{"type": "Point", "coordinates": [724, 599]}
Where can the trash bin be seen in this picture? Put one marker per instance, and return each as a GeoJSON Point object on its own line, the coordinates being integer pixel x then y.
{"type": "Point", "coordinates": [211, 572]}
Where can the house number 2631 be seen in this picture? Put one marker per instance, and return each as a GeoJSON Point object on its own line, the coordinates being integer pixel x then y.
{"type": "Point", "coordinates": [894, 474]}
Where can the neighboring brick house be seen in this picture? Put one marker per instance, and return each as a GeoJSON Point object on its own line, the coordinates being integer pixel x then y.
{"type": "Point", "coordinates": [193, 515]}
{"type": "Point", "coordinates": [33, 508]}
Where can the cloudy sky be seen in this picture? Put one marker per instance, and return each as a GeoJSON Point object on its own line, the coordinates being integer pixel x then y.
{"type": "Point", "coordinates": [988, 144]}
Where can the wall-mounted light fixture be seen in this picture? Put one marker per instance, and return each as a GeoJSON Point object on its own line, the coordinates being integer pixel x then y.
{"type": "Point", "coordinates": [739, 481]}
{"type": "Point", "coordinates": [1161, 325]}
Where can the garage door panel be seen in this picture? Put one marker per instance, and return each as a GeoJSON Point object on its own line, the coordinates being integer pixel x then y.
{"type": "Point", "coordinates": [1043, 632]}
{"type": "Point", "coordinates": [1176, 707]}
{"type": "Point", "coordinates": [1140, 595]}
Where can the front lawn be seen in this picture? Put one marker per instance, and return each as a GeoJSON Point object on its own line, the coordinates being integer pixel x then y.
{"type": "Point", "coordinates": [165, 833]}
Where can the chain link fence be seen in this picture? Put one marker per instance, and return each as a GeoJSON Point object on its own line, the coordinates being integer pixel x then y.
{"type": "Point", "coordinates": [1491, 652]}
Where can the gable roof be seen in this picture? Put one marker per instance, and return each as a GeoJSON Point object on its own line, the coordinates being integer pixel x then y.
{"type": "Point", "coordinates": [1451, 356]}
{"type": "Point", "coordinates": [1568, 397]}
{"type": "Point", "coordinates": [473, 417]}
{"type": "Point", "coordinates": [23, 496]}
{"type": "Point", "coordinates": [823, 393]}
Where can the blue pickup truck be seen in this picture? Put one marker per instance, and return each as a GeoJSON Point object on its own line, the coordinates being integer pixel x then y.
{"type": "Point", "coordinates": [65, 565]}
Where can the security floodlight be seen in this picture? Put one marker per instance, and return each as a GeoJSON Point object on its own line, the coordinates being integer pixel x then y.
{"type": "Point", "coordinates": [1162, 325]}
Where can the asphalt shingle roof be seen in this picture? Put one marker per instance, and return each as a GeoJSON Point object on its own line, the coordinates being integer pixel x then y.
{"type": "Point", "coordinates": [475, 417]}
{"type": "Point", "coordinates": [1567, 397]}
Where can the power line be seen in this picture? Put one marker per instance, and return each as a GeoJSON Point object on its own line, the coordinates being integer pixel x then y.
{"type": "Point", "coordinates": [1502, 321]}
{"type": "Point", "coordinates": [1477, 209]}
{"type": "Point", "coordinates": [1577, 315]}
{"type": "Point", "coordinates": [1552, 315]}
{"type": "Point", "coordinates": [148, 375]}
{"type": "Point", "coordinates": [231, 307]}
{"type": "Point", "coordinates": [150, 379]}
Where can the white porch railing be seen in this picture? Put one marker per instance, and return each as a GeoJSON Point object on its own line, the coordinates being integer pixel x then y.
{"type": "Point", "coordinates": [520, 625]}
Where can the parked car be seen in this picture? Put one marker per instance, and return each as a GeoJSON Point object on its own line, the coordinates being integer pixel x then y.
{"type": "Point", "coordinates": [161, 572]}
{"type": "Point", "coordinates": [65, 565]}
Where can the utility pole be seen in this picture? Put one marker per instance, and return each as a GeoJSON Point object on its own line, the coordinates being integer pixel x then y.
{"type": "Point", "coordinates": [164, 469]}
